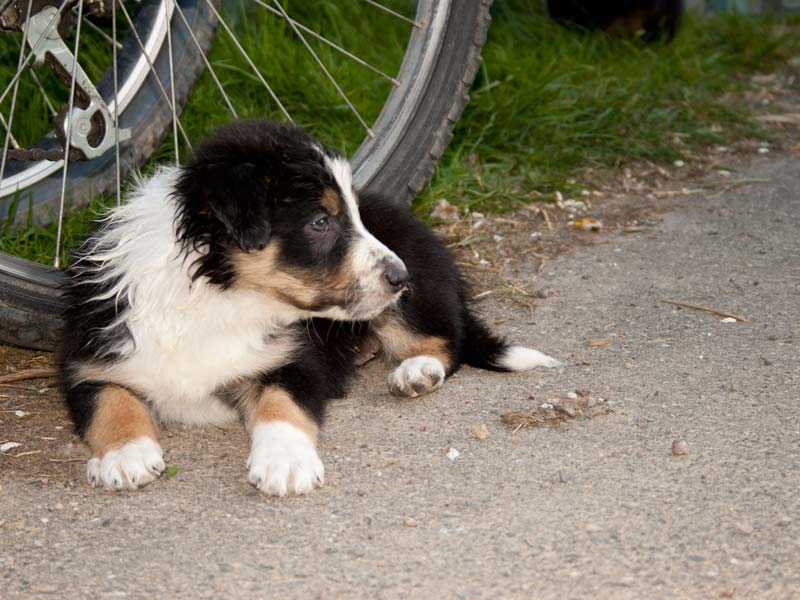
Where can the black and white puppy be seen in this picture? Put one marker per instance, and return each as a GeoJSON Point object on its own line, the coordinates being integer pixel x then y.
{"type": "Point", "coordinates": [249, 284]}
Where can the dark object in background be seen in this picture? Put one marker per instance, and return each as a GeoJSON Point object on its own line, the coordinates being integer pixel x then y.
{"type": "Point", "coordinates": [651, 19]}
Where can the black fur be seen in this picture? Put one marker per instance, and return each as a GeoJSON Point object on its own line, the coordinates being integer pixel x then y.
{"type": "Point", "coordinates": [438, 301]}
{"type": "Point", "coordinates": [255, 183]}
{"type": "Point", "coordinates": [233, 188]}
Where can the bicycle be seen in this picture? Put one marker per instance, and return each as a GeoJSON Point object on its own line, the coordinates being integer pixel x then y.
{"type": "Point", "coordinates": [117, 119]}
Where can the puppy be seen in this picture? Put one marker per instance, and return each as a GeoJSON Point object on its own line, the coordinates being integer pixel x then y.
{"type": "Point", "coordinates": [249, 284]}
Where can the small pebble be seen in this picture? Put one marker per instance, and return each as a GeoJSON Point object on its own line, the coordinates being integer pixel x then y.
{"type": "Point", "coordinates": [546, 405]}
{"type": "Point", "coordinates": [679, 163]}
{"type": "Point", "coordinates": [763, 150]}
{"type": "Point", "coordinates": [480, 431]}
{"type": "Point", "coordinates": [744, 528]}
{"type": "Point", "coordinates": [20, 413]}
{"type": "Point", "coordinates": [696, 558]}
{"type": "Point", "coordinates": [359, 550]}
{"type": "Point", "coordinates": [568, 407]}
{"type": "Point", "coordinates": [679, 448]}
{"type": "Point", "coordinates": [452, 453]}
{"type": "Point", "coordinates": [784, 521]}
{"type": "Point", "coordinates": [572, 395]}
{"type": "Point", "coordinates": [728, 320]}
{"type": "Point", "coordinates": [409, 522]}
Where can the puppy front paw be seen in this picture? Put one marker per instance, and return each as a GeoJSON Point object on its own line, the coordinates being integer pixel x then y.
{"type": "Point", "coordinates": [283, 460]}
{"type": "Point", "coordinates": [417, 376]}
{"type": "Point", "coordinates": [130, 466]}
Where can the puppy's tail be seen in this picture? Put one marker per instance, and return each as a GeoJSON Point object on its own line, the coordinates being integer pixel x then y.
{"type": "Point", "coordinates": [484, 350]}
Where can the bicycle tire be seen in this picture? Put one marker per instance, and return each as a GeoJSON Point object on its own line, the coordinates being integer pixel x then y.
{"type": "Point", "coordinates": [148, 114]}
{"type": "Point", "coordinates": [30, 302]}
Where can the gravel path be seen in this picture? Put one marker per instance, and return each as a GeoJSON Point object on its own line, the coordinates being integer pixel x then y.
{"type": "Point", "coordinates": [596, 508]}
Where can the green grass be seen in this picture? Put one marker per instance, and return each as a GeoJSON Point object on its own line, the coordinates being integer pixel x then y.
{"type": "Point", "coordinates": [548, 102]}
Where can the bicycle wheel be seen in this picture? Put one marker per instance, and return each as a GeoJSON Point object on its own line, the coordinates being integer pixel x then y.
{"type": "Point", "coordinates": [397, 155]}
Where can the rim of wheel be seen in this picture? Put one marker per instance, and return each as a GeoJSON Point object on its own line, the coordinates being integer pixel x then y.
{"type": "Point", "coordinates": [438, 56]}
{"type": "Point", "coordinates": [39, 170]}
{"type": "Point", "coordinates": [399, 107]}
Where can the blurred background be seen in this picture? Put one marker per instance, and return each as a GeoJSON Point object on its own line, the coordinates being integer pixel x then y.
{"type": "Point", "coordinates": [554, 102]}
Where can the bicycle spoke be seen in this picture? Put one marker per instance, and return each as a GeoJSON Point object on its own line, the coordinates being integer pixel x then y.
{"type": "Point", "coordinates": [202, 55]}
{"type": "Point", "coordinates": [102, 33]}
{"type": "Point", "coordinates": [249, 61]}
{"type": "Point", "coordinates": [14, 95]}
{"type": "Point", "coordinates": [14, 142]}
{"type": "Point", "coordinates": [50, 108]}
{"type": "Point", "coordinates": [37, 81]}
{"type": "Point", "coordinates": [324, 70]}
{"type": "Point", "coordinates": [391, 12]}
{"type": "Point", "coordinates": [153, 72]}
{"type": "Point", "coordinates": [33, 52]}
{"type": "Point", "coordinates": [68, 138]}
{"type": "Point", "coordinates": [333, 45]}
{"type": "Point", "coordinates": [168, 19]}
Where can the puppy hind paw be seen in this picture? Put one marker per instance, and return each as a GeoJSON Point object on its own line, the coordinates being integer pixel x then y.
{"type": "Point", "coordinates": [416, 376]}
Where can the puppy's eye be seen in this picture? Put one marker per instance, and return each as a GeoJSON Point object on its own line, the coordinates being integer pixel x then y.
{"type": "Point", "coordinates": [320, 224]}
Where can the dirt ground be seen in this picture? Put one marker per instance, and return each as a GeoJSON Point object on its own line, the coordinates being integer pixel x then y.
{"type": "Point", "coordinates": [488, 248]}
{"type": "Point", "coordinates": [662, 461]}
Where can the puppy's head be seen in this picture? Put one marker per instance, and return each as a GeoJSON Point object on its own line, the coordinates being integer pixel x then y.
{"type": "Point", "coordinates": [266, 207]}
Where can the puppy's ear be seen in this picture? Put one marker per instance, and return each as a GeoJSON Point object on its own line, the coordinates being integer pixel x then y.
{"type": "Point", "coordinates": [243, 207]}
{"type": "Point", "coordinates": [232, 199]}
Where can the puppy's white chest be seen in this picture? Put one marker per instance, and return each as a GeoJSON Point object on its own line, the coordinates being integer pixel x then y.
{"type": "Point", "coordinates": [181, 356]}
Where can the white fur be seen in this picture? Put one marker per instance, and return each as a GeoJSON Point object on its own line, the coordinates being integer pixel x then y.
{"type": "Point", "coordinates": [130, 466]}
{"type": "Point", "coordinates": [283, 460]}
{"type": "Point", "coordinates": [417, 376]}
{"type": "Point", "coordinates": [519, 358]}
{"type": "Point", "coordinates": [186, 338]}
{"type": "Point", "coordinates": [368, 255]}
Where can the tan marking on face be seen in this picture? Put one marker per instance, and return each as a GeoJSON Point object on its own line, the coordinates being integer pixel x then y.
{"type": "Point", "coordinates": [331, 201]}
{"type": "Point", "coordinates": [276, 404]}
{"type": "Point", "coordinates": [399, 342]}
{"type": "Point", "coordinates": [260, 271]}
{"type": "Point", "coordinates": [119, 418]}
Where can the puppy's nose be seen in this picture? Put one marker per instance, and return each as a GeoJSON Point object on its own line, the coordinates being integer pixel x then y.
{"type": "Point", "coordinates": [396, 275]}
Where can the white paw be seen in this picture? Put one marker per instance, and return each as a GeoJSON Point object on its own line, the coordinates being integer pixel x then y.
{"type": "Point", "coordinates": [519, 358]}
{"type": "Point", "coordinates": [417, 376]}
{"type": "Point", "coordinates": [283, 460]}
{"type": "Point", "coordinates": [130, 466]}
